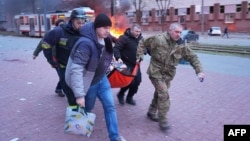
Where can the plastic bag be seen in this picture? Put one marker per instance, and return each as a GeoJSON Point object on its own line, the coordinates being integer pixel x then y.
{"type": "Point", "coordinates": [78, 121]}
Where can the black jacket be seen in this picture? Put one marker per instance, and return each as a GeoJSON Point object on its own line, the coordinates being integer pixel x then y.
{"type": "Point", "coordinates": [126, 48]}
{"type": "Point", "coordinates": [63, 39]}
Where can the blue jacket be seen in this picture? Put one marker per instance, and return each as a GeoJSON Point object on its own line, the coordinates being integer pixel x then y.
{"type": "Point", "coordinates": [88, 61]}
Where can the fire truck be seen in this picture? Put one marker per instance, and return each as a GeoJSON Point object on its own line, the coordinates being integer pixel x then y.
{"type": "Point", "coordinates": [34, 24]}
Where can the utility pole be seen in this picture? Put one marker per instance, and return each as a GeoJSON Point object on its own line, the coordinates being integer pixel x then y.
{"type": "Point", "coordinates": [112, 9]}
{"type": "Point", "coordinates": [202, 17]}
{"type": "Point", "coordinates": [39, 21]}
{"type": "Point", "coordinates": [44, 16]}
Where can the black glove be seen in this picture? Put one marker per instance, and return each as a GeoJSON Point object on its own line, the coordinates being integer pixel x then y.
{"type": "Point", "coordinates": [54, 64]}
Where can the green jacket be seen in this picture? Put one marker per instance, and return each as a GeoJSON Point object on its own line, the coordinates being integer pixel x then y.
{"type": "Point", "coordinates": [165, 56]}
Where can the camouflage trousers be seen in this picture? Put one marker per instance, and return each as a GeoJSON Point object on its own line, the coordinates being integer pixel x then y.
{"type": "Point", "coordinates": [161, 102]}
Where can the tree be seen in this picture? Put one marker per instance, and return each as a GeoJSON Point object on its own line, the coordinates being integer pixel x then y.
{"type": "Point", "coordinates": [138, 5]}
{"type": "Point", "coordinates": [163, 6]}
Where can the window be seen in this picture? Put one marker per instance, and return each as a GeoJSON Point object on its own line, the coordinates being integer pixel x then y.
{"type": "Point", "coordinates": [182, 11]}
{"type": "Point", "coordinates": [222, 8]}
{"type": "Point", "coordinates": [131, 20]}
{"type": "Point", "coordinates": [159, 13]}
{"type": "Point", "coordinates": [211, 9]}
{"type": "Point", "coordinates": [168, 12]}
{"type": "Point", "coordinates": [188, 11]}
{"type": "Point", "coordinates": [176, 12]}
{"type": "Point", "coordinates": [145, 13]}
{"type": "Point", "coordinates": [181, 19]}
{"type": "Point", "coordinates": [130, 14]}
{"type": "Point", "coordinates": [248, 7]}
{"type": "Point", "coordinates": [229, 18]}
{"type": "Point", "coordinates": [238, 8]}
{"type": "Point", "coordinates": [144, 21]}
{"type": "Point", "coordinates": [42, 20]}
{"type": "Point", "coordinates": [24, 20]}
{"type": "Point", "coordinates": [35, 20]}
{"type": "Point", "coordinates": [53, 19]}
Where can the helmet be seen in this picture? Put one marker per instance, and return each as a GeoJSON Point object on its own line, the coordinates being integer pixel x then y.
{"type": "Point", "coordinates": [78, 13]}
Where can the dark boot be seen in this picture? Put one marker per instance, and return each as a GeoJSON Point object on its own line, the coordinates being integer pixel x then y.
{"type": "Point", "coordinates": [130, 101]}
{"type": "Point", "coordinates": [120, 97]}
{"type": "Point", "coordinates": [59, 92]}
{"type": "Point", "coordinates": [164, 125]}
{"type": "Point", "coordinates": [153, 117]}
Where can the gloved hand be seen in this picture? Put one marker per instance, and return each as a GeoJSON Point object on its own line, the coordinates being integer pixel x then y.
{"type": "Point", "coordinates": [201, 76]}
{"type": "Point", "coordinates": [54, 64]}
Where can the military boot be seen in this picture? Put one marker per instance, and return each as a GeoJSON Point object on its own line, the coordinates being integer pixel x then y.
{"type": "Point", "coordinates": [153, 117]}
{"type": "Point", "coordinates": [164, 125]}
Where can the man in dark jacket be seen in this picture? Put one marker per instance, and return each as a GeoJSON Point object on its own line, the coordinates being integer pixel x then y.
{"type": "Point", "coordinates": [86, 71]}
{"type": "Point", "coordinates": [39, 48]}
{"type": "Point", "coordinates": [125, 52]}
{"type": "Point", "coordinates": [63, 38]}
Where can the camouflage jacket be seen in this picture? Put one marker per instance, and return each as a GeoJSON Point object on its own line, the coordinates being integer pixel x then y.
{"type": "Point", "coordinates": [165, 56]}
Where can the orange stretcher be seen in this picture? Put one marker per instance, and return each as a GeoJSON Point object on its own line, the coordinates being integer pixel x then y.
{"type": "Point", "coordinates": [119, 79]}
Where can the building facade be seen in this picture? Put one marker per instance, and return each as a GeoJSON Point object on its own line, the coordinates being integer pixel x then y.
{"type": "Point", "coordinates": [235, 14]}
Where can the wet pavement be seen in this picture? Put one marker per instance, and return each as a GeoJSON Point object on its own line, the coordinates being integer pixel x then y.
{"type": "Point", "coordinates": [30, 110]}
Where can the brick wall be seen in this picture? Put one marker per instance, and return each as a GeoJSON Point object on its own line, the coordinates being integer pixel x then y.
{"type": "Point", "coordinates": [193, 21]}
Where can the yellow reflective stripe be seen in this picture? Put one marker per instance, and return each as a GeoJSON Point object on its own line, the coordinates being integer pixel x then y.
{"type": "Point", "coordinates": [72, 107]}
{"type": "Point", "coordinates": [62, 66]}
{"type": "Point", "coordinates": [45, 45]}
{"type": "Point", "coordinates": [63, 42]}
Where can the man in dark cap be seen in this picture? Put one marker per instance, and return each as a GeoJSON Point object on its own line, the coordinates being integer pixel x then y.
{"type": "Point", "coordinates": [86, 71]}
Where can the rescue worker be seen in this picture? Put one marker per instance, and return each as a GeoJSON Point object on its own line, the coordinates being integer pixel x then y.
{"type": "Point", "coordinates": [39, 48]}
{"type": "Point", "coordinates": [166, 50]}
{"type": "Point", "coordinates": [63, 38]}
{"type": "Point", "coordinates": [125, 52]}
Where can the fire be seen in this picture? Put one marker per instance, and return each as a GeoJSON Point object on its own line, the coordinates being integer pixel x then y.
{"type": "Point", "coordinates": [116, 32]}
{"type": "Point", "coordinates": [119, 26]}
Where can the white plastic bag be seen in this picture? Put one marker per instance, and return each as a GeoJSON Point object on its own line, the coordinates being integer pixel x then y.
{"type": "Point", "coordinates": [78, 121]}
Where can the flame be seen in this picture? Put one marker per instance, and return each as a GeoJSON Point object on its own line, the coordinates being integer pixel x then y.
{"type": "Point", "coordinates": [119, 26]}
{"type": "Point", "coordinates": [116, 32]}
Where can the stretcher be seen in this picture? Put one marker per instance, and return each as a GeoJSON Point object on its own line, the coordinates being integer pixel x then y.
{"type": "Point", "coordinates": [119, 77]}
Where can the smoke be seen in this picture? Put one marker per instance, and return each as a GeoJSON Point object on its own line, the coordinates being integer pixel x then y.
{"type": "Point", "coordinates": [122, 6]}
{"type": "Point", "coordinates": [104, 6]}
{"type": "Point", "coordinates": [119, 18]}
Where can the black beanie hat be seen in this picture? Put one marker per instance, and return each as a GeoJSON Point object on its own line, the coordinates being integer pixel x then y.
{"type": "Point", "coordinates": [102, 20]}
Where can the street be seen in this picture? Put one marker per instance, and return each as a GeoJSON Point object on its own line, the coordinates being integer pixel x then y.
{"type": "Point", "coordinates": [30, 110]}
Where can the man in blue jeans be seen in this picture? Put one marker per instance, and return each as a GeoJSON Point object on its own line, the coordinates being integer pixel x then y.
{"type": "Point", "coordinates": [86, 71]}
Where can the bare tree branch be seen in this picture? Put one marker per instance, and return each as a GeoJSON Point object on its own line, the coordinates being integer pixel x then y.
{"type": "Point", "coordinates": [163, 6]}
{"type": "Point", "coordinates": [138, 5]}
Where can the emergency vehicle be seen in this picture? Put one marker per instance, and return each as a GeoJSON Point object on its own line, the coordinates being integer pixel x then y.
{"type": "Point", "coordinates": [34, 25]}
